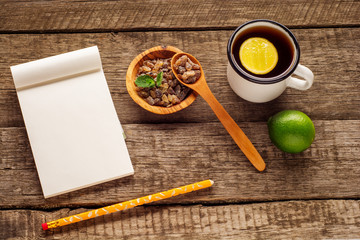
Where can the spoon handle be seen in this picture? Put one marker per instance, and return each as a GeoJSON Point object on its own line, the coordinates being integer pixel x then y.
{"type": "Point", "coordinates": [233, 129]}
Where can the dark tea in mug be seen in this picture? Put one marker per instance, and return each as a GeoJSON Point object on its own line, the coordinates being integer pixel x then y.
{"type": "Point", "coordinates": [282, 42]}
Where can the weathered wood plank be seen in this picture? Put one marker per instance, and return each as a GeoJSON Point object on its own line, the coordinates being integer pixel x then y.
{"type": "Point", "coordinates": [170, 155]}
{"type": "Point", "coordinates": [70, 16]}
{"type": "Point", "coordinates": [332, 54]}
{"type": "Point", "coordinates": [330, 219]}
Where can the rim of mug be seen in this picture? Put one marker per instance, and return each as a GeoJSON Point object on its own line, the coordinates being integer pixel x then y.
{"type": "Point", "coordinates": [260, 80]}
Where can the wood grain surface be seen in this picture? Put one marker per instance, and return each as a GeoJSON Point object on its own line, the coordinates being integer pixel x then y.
{"type": "Point", "coordinates": [170, 155]}
{"type": "Point", "coordinates": [324, 219]}
{"type": "Point", "coordinates": [311, 195]}
{"type": "Point", "coordinates": [330, 53]}
{"type": "Point", "coordinates": [135, 15]}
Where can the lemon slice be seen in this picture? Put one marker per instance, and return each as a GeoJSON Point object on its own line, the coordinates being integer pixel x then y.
{"type": "Point", "coordinates": [258, 55]}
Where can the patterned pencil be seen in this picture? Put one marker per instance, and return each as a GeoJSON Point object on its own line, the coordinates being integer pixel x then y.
{"type": "Point", "coordinates": [128, 204]}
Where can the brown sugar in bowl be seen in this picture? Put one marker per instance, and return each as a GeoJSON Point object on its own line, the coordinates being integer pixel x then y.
{"type": "Point", "coordinates": [131, 74]}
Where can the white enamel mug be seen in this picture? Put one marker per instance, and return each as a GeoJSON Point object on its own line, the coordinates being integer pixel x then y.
{"type": "Point", "coordinates": [257, 89]}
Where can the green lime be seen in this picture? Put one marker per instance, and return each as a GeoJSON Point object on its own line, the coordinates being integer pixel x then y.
{"type": "Point", "coordinates": [291, 131]}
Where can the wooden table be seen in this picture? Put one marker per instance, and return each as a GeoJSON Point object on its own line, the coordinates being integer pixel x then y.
{"type": "Point", "coordinates": [312, 195]}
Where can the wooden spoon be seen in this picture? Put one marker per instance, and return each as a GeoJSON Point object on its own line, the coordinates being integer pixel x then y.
{"type": "Point", "coordinates": [201, 87]}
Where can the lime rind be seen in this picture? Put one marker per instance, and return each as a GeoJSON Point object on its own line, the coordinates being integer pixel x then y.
{"type": "Point", "coordinates": [291, 131]}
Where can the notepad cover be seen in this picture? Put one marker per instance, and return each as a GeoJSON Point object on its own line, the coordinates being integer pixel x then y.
{"type": "Point", "coordinates": [74, 131]}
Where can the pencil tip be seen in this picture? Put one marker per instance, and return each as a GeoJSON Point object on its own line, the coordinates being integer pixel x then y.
{"type": "Point", "coordinates": [45, 226]}
{"type": "Point", "coordinates": [212, 182]}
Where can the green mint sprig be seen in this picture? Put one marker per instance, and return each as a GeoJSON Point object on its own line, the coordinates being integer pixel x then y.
{"type": "Point", "coordinates": [159, 79]}
{"type": "Point", "coordinates": [145, 81]}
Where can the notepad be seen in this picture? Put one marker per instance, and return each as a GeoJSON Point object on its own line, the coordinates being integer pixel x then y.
{"type": "Point", "coordinates": [74, 131]}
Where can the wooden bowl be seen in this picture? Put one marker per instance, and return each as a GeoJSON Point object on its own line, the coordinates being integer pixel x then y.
{"type": "Point", "coordinates": [152, 53]}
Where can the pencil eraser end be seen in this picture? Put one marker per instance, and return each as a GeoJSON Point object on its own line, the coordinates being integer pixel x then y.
{"type": "Point", "coordinates": [44, 226]}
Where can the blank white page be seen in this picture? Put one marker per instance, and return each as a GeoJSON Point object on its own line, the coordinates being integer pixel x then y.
{"type": "Point", "coordinates": [74, 131]}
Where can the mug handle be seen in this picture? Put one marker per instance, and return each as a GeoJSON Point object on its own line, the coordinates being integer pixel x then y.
{"type": "Point", "coordinates": [299, 84]}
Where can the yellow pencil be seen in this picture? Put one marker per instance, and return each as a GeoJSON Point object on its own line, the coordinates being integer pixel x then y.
{"type": "Point", "coordinates": [128, 204]}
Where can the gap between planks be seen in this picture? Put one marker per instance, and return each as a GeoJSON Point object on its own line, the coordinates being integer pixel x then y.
{"type": "Point", "coordinates": [73, 207]}
{"type": "Point", "coordinates": [201, 29]}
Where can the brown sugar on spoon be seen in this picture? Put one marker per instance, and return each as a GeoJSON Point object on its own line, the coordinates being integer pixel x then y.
{"type": "Point", "coordinates": [186, 70]}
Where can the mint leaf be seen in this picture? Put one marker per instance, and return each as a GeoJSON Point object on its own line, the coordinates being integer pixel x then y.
{"type": "Point", "coordinates": [145, 81]}
{"type": "Point", "coordinates": [159, 79]}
